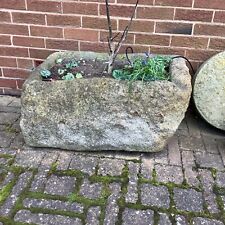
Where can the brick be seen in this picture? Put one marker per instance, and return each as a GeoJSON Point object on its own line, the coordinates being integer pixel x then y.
{"type": "Point", "coordinates": [189, 42]}
{"type": "Point", "coordinates": [97, 23]}
{"type": "Point", "coordinates": [20, 83]}
{"type": "Point", "coordinates": [219, 17]}
{"type": "Point", "coordinates": [216, 43]}
{"type": "Point", "coordinates": [28, 41]}
{"type": "Point", "coordinates": [40, 53]}
{"type": "Point", "coordinates": [166, 50]}
{"type": "Point", "coordinates": [141, 2]}
{"type": "Point", "coordinates": [63, 20]}
{"type": "Point", "coordinates": [25, 63]}
{"type": "Point", "coordinates": [15, 73]}
{"type": "Point", "coordinates": [28, 18]}
{"type": "Point", "coordinates": [81, 34]}
{"type": "Point", "coordinates": [14, 29]}
{"type": "Point", "coordinates": [44, 6]}
{"type": "Point", "coordinates": [8, 62]}
{"type": "Point", "coordinates": [9, 83]}
{"type": "Point", "coordinates": [13, 51]}
{"type": "Point", "coordinates": [93, 46]}
{"type": "Point", "coordinates": [210, 30]}
{"type": "Point", "coordinates": [155, 13]}
{"type": "Point", "coordinates": [215, 4]}
{"type": "Point", "coordinates": [137, 26]}
{"type": "Point", "coordinates": [5, 40]}
{"type": "Point", "coordinates": [62, 44]}
{"type": "Point", "coordinates": [174, 152]}
{"type": "Point", "coordinates": [46, 31]}
{"type": "Point", "coordinates": [14, 4]}
{"type": "Point", "coordinates": [173, 28]}
{"type": "Point", "coordinates": [152, 39]}
{"type": "Point", "coordinates": [12, 92]}
{"type": "Point", "coordinates": [193, 15]}
{"type": "Point", "coordinates": [80, 8]}
{"type": "Point", "coordinates": [104, 37]}
{"type": "Point", "coordinates": [177, 3]}
{"type": "Point", "coordinates": [4, 16]}
{"type": "Point", "coordinates": [118, 10]}
{"type": "Point", "coordinates": [200, 54]}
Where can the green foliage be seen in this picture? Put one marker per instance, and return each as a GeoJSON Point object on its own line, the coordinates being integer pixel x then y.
{"type": "Point", "coordinates": [68, 76]}
{"type": "Point", "coordinates": [61, 71]}
{"type": "Point", "coordinates": [79, 76]}
{"type": "Point", "coordinates": [71, 64]}
{"type": "Point", "coordinates": [45, 74]}
{"type": "Point", "coordinates": [58, 61]}
{"type": "Point", "coordinates": [148, 69]}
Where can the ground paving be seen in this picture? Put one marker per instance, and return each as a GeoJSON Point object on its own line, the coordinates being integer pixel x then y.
{"type": "Point", "coordinates": [183, 184]}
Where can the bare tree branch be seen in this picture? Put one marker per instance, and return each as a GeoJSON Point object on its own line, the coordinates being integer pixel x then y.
{"type": "Point", "coordinates": [115, 48]}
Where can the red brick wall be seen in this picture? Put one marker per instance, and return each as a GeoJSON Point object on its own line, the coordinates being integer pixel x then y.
{"type": "Point", "coordinates": [32, 29]}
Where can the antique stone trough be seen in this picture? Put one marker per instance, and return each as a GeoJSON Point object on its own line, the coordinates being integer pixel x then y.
{"type": "Point", "coordinates": [101, 113]}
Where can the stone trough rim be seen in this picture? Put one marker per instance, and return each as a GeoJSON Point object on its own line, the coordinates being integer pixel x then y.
{"type": "Point", "coordinates": [175, 79]}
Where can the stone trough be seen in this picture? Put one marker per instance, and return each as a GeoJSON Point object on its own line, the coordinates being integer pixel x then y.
{"type": "Point", "coordinates": [102, 113]}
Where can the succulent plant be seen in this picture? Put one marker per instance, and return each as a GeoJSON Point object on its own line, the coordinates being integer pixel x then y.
{"type": "Point", "coordinates": [45, 74]}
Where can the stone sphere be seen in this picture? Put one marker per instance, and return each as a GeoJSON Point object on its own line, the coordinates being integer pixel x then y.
{"type": "Point", "coordinates": [209, 91]}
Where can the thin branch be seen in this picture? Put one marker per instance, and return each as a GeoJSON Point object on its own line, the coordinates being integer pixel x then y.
{"type": "Point", "coordinates": [125, 32]}
{"type": "Point", "coordinates": [108, 19]}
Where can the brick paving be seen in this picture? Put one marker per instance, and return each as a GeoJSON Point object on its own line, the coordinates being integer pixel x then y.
{"type": "Point", "coordinates": [183, 184]}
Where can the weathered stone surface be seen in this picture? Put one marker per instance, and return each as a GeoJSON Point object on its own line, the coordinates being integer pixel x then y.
{"type": "Point", "coordinates": [147, 166]}
{"type": "Point", "coordinates": [60, 185]}
{"type": "Point", "coordinates": [53, 204]}
{"type": "Point", "coordinates": [102, 113]}
{"type": "Point", "coordinates": [209, 93]}
{"type": "Point", "coordinates": [188, 200]}
{"type": "Point", "coordinates": [138, 217]}
{"type": "Point", "coordinates": [26, 216]}
{"type": "Point", "coordinates": [8, 118]}
{"type": "Point", "coordinates": [220, 179]}
{"type": "Point", "coordinates": [89, 190]}
{"type": "Point", "coordinates": [155, 196]}
{"type": "Point", "coordinates": [205, 221]}
{"type": "Point", "coordinates": [39, 181]}
{"type": "Point", "coordinates": [93, 216]}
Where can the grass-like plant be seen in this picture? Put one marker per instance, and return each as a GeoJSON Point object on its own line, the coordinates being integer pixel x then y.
{"type": "Point", "coordinates": [148, 69]}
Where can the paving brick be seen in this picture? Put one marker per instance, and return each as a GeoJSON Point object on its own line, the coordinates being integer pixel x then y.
{"type": "Point", "coordinates": [205, 221]}
{"type": "Point", "coordinates": [147, 166]}
{"type": "Point", "coordinates": [191, 143]}
{"type": "Point", "coordinates": [60, 185]}
{"type": "Point", "coordinates": [155, 196]}
{"type": "Point", "coordinates": [188, 200]}
{"type": "Point", "coordinates": [111, 167]}
{"type": "Point", "coordinates": [84, 163]}
{"type": "Point", "coordinates": [137, 217]}
{"type": "Point", "coordinates": [25, 216]}
{"type": "Point", "coordinates": [208, 160]}
{"type": "Point", "coordinates": [220, 179]}
{"type": "Point", "coordinates": [93, 216]}
{"type": "Point", "coordinates": [29, 158]}
{"type": "Point", "coordinates": [164, 219]}
{"type": "Point", "coordinates": [132, 189]}
{"type": "Point", "coordinates": [53, 205]}
{"type": "Point", "coordinates": [166, 174]}
{"type": "Point", "coordinates": [174, 152]}
{"type": "Point", "coordinates": [161, 157]}
{"type": "Point", "coordinates": [181, 220]}
{"type": "Point", "coordinates": [92, 191]}
{"type": "Point", "coordinates": [112, 208]}
{"type": "Point", "coordinates": [21, 184]}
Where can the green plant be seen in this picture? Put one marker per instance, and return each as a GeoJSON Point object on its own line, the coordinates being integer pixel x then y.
{"type": "Point", "coordinates": [45, 74]}
{"type": "Point", "coordinates": [68, 76]}
{"type": "Point", "coordinates": [71, 64]}
{"type": "Point", "coordinates": [148, 69]}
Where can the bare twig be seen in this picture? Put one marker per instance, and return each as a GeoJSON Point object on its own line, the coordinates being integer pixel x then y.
{"type": "Point", "coordinates": [115, 48]}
